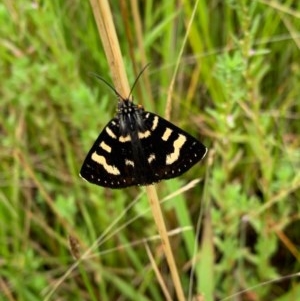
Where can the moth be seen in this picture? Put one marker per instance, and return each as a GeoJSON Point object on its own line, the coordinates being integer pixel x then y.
{"type": "Point", "coordinates": [138, 147]}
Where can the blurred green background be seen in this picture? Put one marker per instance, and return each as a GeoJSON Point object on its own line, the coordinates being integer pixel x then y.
{"type": "Point", "coordinates": [237, 90]}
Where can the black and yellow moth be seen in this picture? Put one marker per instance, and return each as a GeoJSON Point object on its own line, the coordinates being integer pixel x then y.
{"type": "Point", "coordinates": [139, 148]}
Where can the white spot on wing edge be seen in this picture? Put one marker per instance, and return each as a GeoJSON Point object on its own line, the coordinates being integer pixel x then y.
{"type": "Point", "coordinates": [166, 134]}
{"type": "Point", "coordinates": [178, 143]}
{"type": "Point", "coordinates": [102, 161]}
{"type": "Point", "coordinates": [106, 147]}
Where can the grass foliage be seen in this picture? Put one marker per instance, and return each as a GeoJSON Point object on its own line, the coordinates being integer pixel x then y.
{"type": "Point", "coordinates": [237, 89]}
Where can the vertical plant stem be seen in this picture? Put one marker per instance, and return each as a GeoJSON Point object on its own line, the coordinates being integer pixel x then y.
{"type": "Point", "coordinates": [111, 46]}
{"type": "Point", "coordinates": [107, 32]}
{"type": "Point", "coordinates": [162, 230]}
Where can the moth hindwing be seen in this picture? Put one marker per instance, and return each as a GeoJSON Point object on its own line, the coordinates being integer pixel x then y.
{"type": "Point", "coordinates": [139, 148]}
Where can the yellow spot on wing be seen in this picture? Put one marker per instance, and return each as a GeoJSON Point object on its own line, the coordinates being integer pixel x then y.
{"type": "Point", "coordinates": [110, 132]}
{"type": "Point", "coordinates": [178, 143]}
{"type": "Point", "coordinates": [102, 161]}
{"type": "Point", "coordinates": [155, 123]}
{"type": "Point", "coordinates": [106, 147]}
{"type": "Point", "coordinates": [124, 138]}
{"type": "Point", "coordinates": [151, 158]}
{"type": "Point", "coordinates": [129, 162]}
{"type": "Point", "coordinates": [144, 134]}
{"type": "Point", "coordinates": [166, 134]}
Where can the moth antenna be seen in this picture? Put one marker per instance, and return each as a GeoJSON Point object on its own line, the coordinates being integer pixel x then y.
{"type": "Point", "coordinates": [136, 80]}
{"type": "Point", "coordinates": [107, 83]}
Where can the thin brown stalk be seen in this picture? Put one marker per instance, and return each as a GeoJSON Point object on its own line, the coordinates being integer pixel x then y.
{"type": "Point", "coordinates": [112, 50]}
